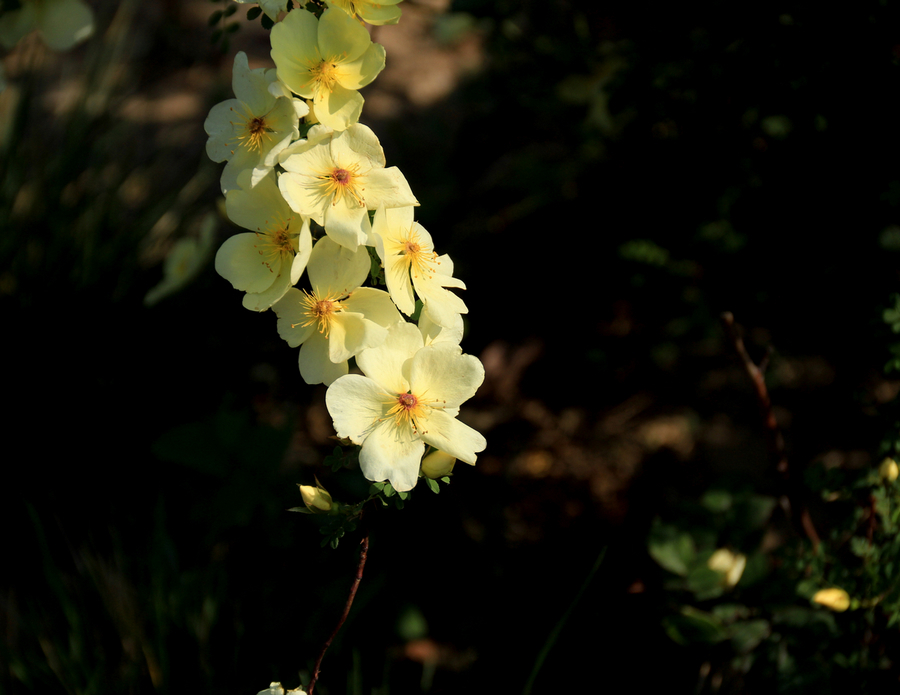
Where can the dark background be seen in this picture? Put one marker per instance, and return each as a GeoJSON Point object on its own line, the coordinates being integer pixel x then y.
{"type": "Point", "coordinates": [608, 179]}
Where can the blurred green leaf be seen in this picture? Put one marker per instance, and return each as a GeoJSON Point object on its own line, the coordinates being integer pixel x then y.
{"type": "Point", "coordinates": [746, 636]}
{"type": "Point", "coordinates": [693, 626]}
{"type": "Point", "coordinates": [705, 583]}
{"type": "Point", "coordinates": [672, 549]}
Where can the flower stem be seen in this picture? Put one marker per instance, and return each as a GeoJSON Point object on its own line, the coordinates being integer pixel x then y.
{"type": "Point", "coordinates": [363, 552]}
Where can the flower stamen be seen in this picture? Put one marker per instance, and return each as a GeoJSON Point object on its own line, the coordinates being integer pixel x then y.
{"type": "Point", "coordinates": [318, 310]}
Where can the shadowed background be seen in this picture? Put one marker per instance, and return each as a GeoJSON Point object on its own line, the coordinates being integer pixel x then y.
{"type": "Point", "coordinates": [608, 178]}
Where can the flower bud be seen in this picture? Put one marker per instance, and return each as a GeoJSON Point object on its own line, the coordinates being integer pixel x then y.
{"type": "Point", "coordinates": [437, 464]}
{"type": "Point", "coordinates": [888, 470]}
{"type": "Point", "coordinates": [834, 598]}
{"type": "Point", "coordinates": [316, 498]}
{"type": "Point", "coordinates": [730, 565]}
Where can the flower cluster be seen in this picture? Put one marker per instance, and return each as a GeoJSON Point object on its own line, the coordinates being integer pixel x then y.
{"type": "Point", "coordinates": [312, 186]}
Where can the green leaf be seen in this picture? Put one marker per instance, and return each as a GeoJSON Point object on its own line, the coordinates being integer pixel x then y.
{"type": "Point", "coordinates": [860, 547]}
{"type": "Point", "coordinates": [706, 583]}
{"type": "Point", "coordinates": [672, 549]}
{"type": "Point", "coordinates": [717, 501]}
{"type": "Point", "coordinates": [746, 636]}
{"type": "Point", "coordinates": [433, 486]}
{"type": "Point", "coordinates": [446, 479]}
{"type": "Point", "coordinates": [693, 627]}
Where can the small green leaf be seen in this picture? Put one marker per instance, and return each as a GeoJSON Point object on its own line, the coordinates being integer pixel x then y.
{"type": "Point", "coordinates": [446, 479]}
{"type": "Point", "coordinates": [672, 549]}
{"type": "Point", "coordinates": [693, 626]}
{"type": "Point", "coordinates": [717, 500]}
{"type": "Point", "coordinates": [746, 636]}
{"type": "Point", "coordinates": [433, 486]}
{"type": "Point", "coordinates": [706, 583]}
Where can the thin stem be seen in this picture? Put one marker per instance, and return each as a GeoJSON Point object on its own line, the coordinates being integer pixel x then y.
{"type": "Point", "coordinates": [557, 629]}
{"type": "Point", "coordinates": [773, 432]}
{"type": "Point", "coordinates": [363, 552]}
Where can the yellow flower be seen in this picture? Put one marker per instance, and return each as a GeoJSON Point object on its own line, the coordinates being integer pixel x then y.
{"type": "Point", "coordinates": [371, 12]}
{"type": "Point", "coordinates": [337, 177]}
{"type": "Point", "coordinates": [409, 397]}
{"type": "Point", "coordinates": [834, 598]}
{"type": "Point", "coordinates": [327, 60]}
{"type": "Point", "coordinates": [407, 251]}
{"type": "Point", "coordinates": [336, 319]}
{"type": "Point", "coordinates": [730, 565]}
{"type": "Point", "coordinates": [249, 131]}
{"type": "Point", "coordinates": [888, 470]}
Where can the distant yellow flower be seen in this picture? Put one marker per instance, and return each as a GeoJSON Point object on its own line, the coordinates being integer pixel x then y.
{"type": "Point", "coordinates": [836, 599]}
{"type": "Point", "coordinates": [888, 470]}
{"type": "Point", "coordinates": [730, 565]}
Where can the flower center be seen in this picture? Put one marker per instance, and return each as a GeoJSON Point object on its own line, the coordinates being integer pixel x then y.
{"type": "Point", "coordinates": [324, 74]}
{"type": "Point", "coordinates": [253, 132]}
{"type": "Point", "coordinates": [318, 310]}
{"type": "Point", "coordinates": [407, 410]}
{"type": "Point", "coordinates": [419, 260]}
{"type": "Point", "coordinates": [343, 182]}
{"type": "Point", "coordinates": [275, 244]}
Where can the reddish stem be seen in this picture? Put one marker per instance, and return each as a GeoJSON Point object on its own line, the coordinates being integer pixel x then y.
{"type": "Point", "coordinates": [363, 552]}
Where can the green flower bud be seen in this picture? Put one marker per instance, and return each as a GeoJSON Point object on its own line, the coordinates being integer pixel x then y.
{"type": "Point", "coordinates": [437, 464]}
{"type": "Point", "coordinates": [316, 498]}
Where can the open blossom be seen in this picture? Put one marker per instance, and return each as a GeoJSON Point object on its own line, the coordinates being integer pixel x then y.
{"type": "Point", "coordinates": [267, 262]}
{"type": "Point", "coordinates": [409, 397]}
{"type": "Point", "coordinates": [251, 130]}
{"type": "Point", "coordinates": [371, 12]}
{"type": "Point", "coordinates": [406, 249]}
{"type": "Point", "coordinates": [338, 318]}
{"type": "Point", "coordinates": [327, 60]}
{"type": "Point", "coordinates": [337, 177]}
